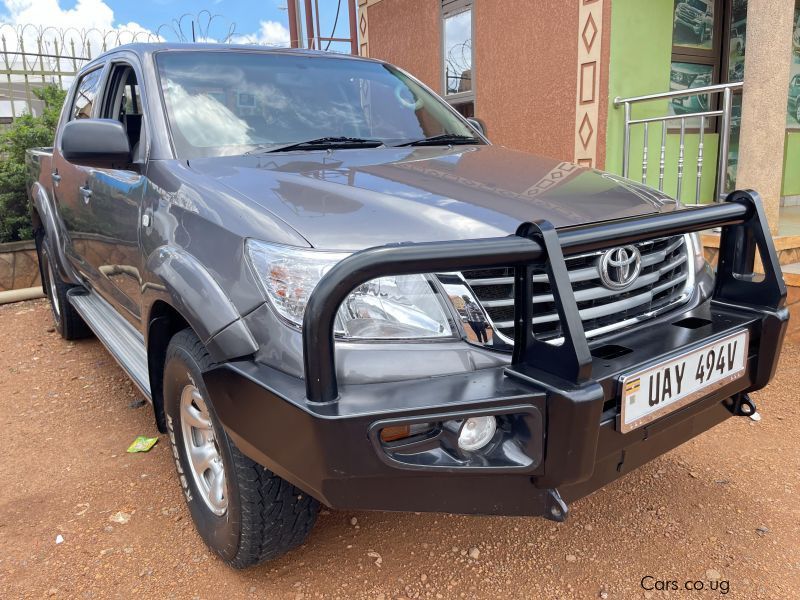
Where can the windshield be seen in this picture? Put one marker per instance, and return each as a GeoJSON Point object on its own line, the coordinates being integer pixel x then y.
{"type": "Point", "coordinates": [223, 102]}
{"type": "Point", "coordinates": [699, 4]}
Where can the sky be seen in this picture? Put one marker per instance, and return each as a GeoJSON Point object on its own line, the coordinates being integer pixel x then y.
{"type": "Point", "coordinates": [262, 21]}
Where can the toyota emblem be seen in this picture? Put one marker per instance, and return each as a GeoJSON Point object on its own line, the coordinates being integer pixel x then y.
{"type": "Point", "coordinates": [619, 267]}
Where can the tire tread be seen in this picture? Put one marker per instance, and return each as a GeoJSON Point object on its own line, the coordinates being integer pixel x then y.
{"type": "Point", "coordinates": [275, 515]}
{"type": "Point", "coordinates": [72, 326]}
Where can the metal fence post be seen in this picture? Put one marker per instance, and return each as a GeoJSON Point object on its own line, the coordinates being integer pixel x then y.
{"type": "Point", "coordinates": [8, 79]}
{"type": "Point", "coordinates": [724, 143]}
{"type": "Point", "coordinates": [626, 148]}
{"type": "Point", "coordinates": [726, 90]}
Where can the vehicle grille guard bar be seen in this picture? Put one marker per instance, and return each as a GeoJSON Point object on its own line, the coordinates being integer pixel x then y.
{"type": "Point", "coordinates": [744, 229]}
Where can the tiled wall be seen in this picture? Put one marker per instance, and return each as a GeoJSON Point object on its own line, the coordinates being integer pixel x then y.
{"type": "Point", "coordinates": [788, 248]}
{"type": "Point", "coordinates": [19, 266]}
{"type": "Point", "coordinates": [786, 255]}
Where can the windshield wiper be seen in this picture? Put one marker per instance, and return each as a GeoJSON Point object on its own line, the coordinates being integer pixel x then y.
{"type": "Point", "coordinates": [323, 143]}
{"type": "Point", "coordinates": [441, 139]}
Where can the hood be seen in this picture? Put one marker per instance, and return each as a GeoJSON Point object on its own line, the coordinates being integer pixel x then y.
{"type": "Point", "coordinates": [354, 199]}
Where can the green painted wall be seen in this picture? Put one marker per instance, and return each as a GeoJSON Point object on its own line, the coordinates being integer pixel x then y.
{"type": "Point", "coordinates": [641, 48]}
{"type": "Point", "coordinates": [791, 164]}
{"type": "Point", "coordinates": [689, 189]}
{"type": "Point", "coordinates": [641, 53]}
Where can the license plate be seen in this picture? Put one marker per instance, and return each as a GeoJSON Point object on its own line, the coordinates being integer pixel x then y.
{"type": "Point", "coordinates": [656, 391]}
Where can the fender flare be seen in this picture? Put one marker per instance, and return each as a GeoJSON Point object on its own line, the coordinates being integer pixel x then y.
{"type": "Point", "coordinates": [186, 285]}
{"type": "Point", "coordinates": [41, 203]}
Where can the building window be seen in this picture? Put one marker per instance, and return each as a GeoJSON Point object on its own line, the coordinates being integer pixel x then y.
{"type": "Point", "coordinates": [457, 55]}
{"type": "Point", "coordinates": [708, 45]}
{"type": "Point", "coordinates": [696, 51]}
{"type": "Point", "coordinates": [793, 118]}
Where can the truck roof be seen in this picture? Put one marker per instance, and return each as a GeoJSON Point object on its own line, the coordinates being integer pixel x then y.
{"type": "Point", "coordinates": [146, 48]}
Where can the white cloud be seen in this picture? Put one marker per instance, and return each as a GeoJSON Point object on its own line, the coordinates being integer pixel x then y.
{"type": "Point", "coordinates": [45, 22]}
{"type": "Point", "coordinates": [97, 16]}
{"type": "Point", "coordinates": [86, 15]}
{"type": "Point", "coordinates": [270, 33]}
{"type": "Point", "coordinates": [204, 120]}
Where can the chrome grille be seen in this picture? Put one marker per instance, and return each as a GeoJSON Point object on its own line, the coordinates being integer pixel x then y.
{"type": "Point", "coordinates": [661, 284]}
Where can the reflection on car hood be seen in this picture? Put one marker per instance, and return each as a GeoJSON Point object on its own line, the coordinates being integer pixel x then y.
{"type": "Point", "coordinates": [353, 199]}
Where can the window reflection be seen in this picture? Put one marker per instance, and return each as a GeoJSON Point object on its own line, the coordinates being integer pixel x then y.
{"type": "Point", "coordinates": [203, 120]}
{"type": "Point", "coordinates": [687, 76]}
{"type": "Point", "coordinates": [793, 104]}
{"type": "Point", "coordinates": [458, 52]}
{"type": "Point", "coordinates": [85, 95]}
{"type": "Point", "coordinates": [227, 103]}
{"type": "Point", "coordinates": [693, 23]}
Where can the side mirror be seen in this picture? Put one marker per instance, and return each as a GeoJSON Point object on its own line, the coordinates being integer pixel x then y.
{"type": "Point", "coordinates": [101, 143]}
{"type": "Point", "coordinates": [478, 125]}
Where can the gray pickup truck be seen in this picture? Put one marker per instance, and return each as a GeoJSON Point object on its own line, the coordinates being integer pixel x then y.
{"type": "Point", "coordinates": [333, 289]}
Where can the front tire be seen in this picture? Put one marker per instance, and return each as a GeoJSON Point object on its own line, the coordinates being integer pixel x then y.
{"type": "Point", "coordinates": [244, 512]}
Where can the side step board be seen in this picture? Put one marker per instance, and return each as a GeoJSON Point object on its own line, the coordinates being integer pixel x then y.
{"type": "Point", "coordinates": [119, 337]}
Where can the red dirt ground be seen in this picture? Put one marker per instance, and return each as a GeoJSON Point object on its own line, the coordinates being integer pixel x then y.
{"type": "Point", "coordinates": [722, 507]}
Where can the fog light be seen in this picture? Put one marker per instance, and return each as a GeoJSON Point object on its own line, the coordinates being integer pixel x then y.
{"type": "Point", "coordinates": [395, 432]}
{"type": "Point", "coordinates": [476, 433]}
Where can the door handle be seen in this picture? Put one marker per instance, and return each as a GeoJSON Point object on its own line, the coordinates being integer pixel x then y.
{"type": "Point", "coordinates": [56, 178]}
{"type": "Point", "coordinates": [86, 193]}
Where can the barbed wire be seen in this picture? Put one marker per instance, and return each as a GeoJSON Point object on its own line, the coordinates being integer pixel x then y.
{"type": "Point", "coordinates": [198, 27]}
{"type": "Point", "coordinates": [34, 55]}
{"type": "Point", "coordinates": [459, 62]}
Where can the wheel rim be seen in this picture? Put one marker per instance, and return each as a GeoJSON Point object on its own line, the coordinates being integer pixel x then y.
{"type": "Point", "coordinates": [797, 110]}
{"type": "Point", "coordinates": [205, 462]}
{"type": "Point", "coordinates": [51, 290]}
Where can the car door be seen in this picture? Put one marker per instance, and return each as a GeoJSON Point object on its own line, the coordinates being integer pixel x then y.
{"type": "Point", "coordinates": [71, 182]}
{"type": "Point", "coordinates": [116, 199]}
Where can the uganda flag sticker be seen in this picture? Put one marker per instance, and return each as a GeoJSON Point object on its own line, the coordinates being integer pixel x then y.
{"type": "Point", "coordinates": [631, 387]}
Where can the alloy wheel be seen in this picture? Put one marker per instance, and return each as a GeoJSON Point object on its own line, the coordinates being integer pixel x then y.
{"type": "Point", "coordinates": [205, 461]}
{"type": "Point", "coordinates": [55, 303]}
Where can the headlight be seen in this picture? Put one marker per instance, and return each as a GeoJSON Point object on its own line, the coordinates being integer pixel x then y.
{"type": "Point", "coordinates": [402, 307]}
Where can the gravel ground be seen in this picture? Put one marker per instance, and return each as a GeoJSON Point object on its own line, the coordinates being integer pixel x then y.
{"type": "Point", "coordinates": [720, 510]}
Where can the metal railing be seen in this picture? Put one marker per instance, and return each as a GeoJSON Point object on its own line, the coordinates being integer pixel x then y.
{"type": "Point", "coordinates": [33, 56]}
{"type": "Point", "coordinates": [726, 90]}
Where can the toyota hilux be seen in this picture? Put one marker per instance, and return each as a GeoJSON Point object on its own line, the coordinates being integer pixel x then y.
{"type": "Point", "coordinates": [335, 290]}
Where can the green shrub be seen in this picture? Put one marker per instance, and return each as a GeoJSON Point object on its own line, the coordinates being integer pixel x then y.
{"type": "Point", "coordinates": [25, 132]}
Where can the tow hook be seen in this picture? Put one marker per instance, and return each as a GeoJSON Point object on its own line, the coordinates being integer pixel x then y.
{"type": "Point", "coordinates": [742, 405]}
{"type": "Point", "coordinates": [557, 509]}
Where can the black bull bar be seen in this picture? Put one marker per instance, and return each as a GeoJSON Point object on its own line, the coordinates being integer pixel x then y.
{"type": "Point", "coordinates": [744, 231]}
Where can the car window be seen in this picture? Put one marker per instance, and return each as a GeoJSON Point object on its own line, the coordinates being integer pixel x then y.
{"type": "Point", "coordinates": [124, 104]}
{"type": "Point", "coordinates": [85, 95]}
{"type": "Point", "coordinates": [227, 103]}
{"type": "Point", "coordinates": [131, 101]}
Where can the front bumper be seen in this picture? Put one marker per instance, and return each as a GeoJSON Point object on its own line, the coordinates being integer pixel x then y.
{"type": "Point", "coordinates": [569, 436]}
{"type": "Point", "coordinates": [558, 406]}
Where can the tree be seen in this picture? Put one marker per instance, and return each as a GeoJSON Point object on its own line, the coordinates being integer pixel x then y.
{"type": "Point", "coordinates": [25, 132]}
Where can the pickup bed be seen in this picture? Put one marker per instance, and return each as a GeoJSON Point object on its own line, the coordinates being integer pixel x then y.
{"type": "Point", "coordinates": [333, 289]}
